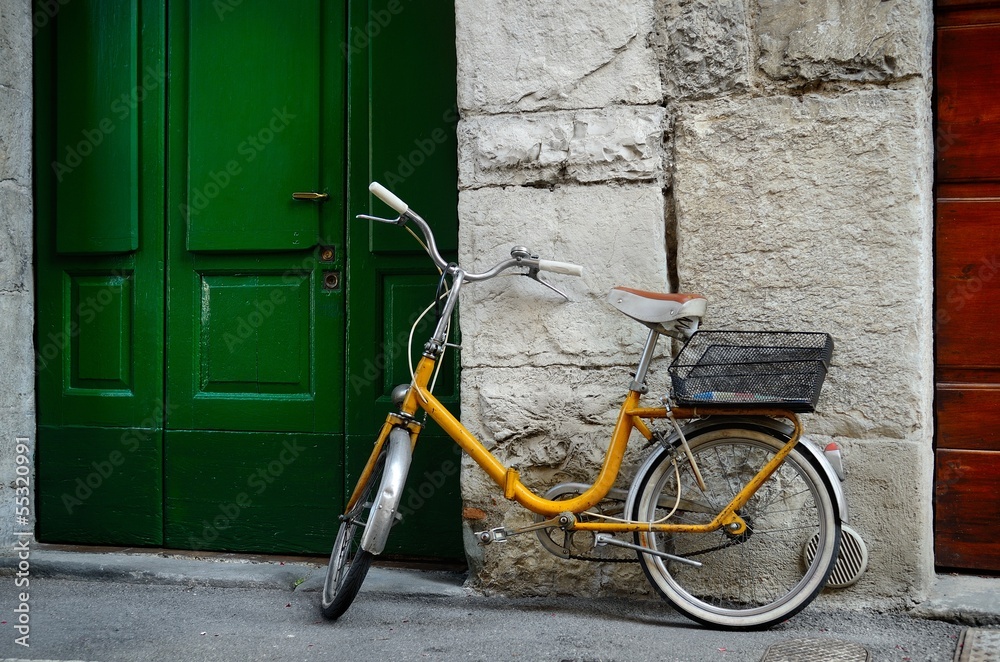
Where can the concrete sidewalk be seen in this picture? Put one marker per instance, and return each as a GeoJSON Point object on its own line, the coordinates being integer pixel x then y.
{"type": "Point", "coordinates": [227, 571]}
{"type": "Point", "coordinates": [130, 605]}
{"type": "Point", "coordinates": [961, 599]}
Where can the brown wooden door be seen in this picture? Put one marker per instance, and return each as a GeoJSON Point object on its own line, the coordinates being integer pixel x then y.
{"type": "Point", "coordinates": [967, 285]}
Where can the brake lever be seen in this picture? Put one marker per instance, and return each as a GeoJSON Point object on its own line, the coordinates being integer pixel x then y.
{"type": "Point", "coordinates": [399, 220]}
{"type": "Point", "coordinates": [533, 274]}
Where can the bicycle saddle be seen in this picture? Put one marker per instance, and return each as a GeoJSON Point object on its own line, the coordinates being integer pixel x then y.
{"type": "Point", "coordinates": [675, 315]}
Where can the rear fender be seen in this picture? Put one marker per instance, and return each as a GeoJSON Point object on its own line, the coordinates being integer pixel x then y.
{"type": "Point", "coordinates": [777, 429]}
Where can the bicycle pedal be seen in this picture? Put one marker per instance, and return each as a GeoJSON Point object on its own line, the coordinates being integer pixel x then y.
{"type": "Point", "coordinates": [498, 534]}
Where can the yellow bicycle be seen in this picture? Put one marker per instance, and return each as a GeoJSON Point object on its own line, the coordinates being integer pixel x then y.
{"type": "Point", "coordinates": [734, 519]}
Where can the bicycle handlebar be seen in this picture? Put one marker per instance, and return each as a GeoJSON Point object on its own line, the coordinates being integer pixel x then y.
{"type": "Point", "coordinates": [531, 262]}
{"type": "Point", "coordinates": [388, 197]}
{"type": "Point", "coordinates": [560, 267]}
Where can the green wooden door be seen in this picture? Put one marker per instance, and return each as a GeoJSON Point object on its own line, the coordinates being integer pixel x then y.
{"type": "Point", "coordinates": [99, 253]}
{"type": "Point", "coordinates": [228, 349]}
{"type": "Point", "coordinates": [255, 320]}
{"type": "Point", "coordinates": [403, 109]}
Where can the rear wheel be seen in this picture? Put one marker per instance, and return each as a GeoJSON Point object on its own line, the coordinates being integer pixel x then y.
{"type": "Point", "coordinates": [753, 579]}
{"type": "Point", "coordinates": [348, 562]}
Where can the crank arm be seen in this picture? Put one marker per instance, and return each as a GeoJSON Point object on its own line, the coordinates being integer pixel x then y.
{"type": "Point", "coordinates": [607, 539]}
{"type": "Point", "coordinates": [501, 534]}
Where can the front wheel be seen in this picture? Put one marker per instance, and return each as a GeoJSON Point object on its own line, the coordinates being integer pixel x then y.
{"type": "Point", "coordinates": [750, 580]}
{"type": "Point", "coordinates": [348, 562]}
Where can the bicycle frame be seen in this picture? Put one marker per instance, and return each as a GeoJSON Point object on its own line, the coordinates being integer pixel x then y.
{"type": "Point", "coordinates": [630, 417]}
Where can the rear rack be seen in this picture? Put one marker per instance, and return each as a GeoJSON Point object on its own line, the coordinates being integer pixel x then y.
{"type": "Point", "coordinates": [752, 369]}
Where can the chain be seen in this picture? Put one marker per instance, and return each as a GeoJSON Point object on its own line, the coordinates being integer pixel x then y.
{"type": "Point", "coordinates": [581, 557]}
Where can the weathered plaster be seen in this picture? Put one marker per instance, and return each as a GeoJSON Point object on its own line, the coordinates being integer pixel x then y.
{"type": "Point", "coordinates": [17, 374]}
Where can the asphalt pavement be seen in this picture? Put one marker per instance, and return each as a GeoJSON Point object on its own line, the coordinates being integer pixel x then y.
{"type": "Point", "coordinates": [105, 607]}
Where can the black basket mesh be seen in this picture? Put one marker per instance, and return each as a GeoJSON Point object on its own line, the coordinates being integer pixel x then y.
{"type": "Point", "coordinates": [752, 369]}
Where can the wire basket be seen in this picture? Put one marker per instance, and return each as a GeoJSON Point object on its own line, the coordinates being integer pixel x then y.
{"type": "Point", "coordinates": [752, 369]}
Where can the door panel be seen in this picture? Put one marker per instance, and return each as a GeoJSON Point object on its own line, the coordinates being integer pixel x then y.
{"type": "Point", "coordinates": [255, 333]}
{"type": "Point", "coordinates": [967, 115]}
{"type": "Point", "coordinates": [255, 337]}
{"type": "Point", "coordinates": [100, 486]}
{"type": "Point", "coordinates": [255, 123]}
{"type": "Point", "coordinates": [966, 508]}
{"type": "Point", "coordinates": [99, 257]}
{"type": "Point", "coordinates": [254, 492]}
{"type": "Point", "coordinates": [968, 418]}
{"type": "Point", "coordinates": [97, 129]}
{"type": "Point", "coordinates": [967, 286]}
{"type": "Point", "coordinates": [267, 350]}
{"type": "Point", "coordinates": [968, 279]}
{"type": "Point", "coordinates": [403, 101]}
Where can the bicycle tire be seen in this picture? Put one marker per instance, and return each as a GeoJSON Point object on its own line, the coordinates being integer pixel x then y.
{"type": "Point", "coordinates": [348, 562]}
{"type": "Point", "coordinates": [756, 579]}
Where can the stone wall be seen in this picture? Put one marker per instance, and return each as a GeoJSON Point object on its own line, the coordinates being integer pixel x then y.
{"type": "Point", "coordinates": [774, 156]}
{"type": "Point", "coordinates": [17, 374]}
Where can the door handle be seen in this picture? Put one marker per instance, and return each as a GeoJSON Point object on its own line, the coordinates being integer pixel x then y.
{"type": "Point", "coordinates": [309, 195]}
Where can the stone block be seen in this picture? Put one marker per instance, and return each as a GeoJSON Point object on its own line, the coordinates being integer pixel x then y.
{"type": "Point", "coordinates": [15, 44]}
{"type": "Point", "coordinates": [814, 213]}
{"type": "Point", "coordinates": [519, 55]}
{"type": "Point", "coordinates": [615, 232]}
{"type": "Point", "coordinates": [844, 40]}
{"type": "Point", "coordinates": [17, 400]}
{"type": "Point", "coordinates": [15, 238]}
{"type": "Point", "coordinates": [623, 143]}
{"type": "Point", "coordinates": [17, 365]}
{"type": "Point", "coordinates": [704, 47]}
{"type": "Point", "coordinates": [15, 136]}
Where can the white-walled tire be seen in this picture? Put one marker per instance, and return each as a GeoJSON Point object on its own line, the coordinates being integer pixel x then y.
{"type": "Point", "coordinates": [756, 579]}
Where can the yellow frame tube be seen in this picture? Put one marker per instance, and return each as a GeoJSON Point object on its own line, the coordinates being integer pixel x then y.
{"type": "Point", "coordinates": [509, 480]}
{"type": "Point", "coordinates": [629, 417]}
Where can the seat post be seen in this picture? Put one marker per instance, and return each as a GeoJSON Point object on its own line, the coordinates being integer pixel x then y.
{"type": "Point", "coordinates": [639, 383]}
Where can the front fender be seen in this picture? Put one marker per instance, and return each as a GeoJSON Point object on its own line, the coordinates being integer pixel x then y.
{"type": "Point", "coordinates": [779, 430]}
{"type": "Point", "coordinates": [383, 512]}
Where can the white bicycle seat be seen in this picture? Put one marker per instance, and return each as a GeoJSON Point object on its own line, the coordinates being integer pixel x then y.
{"type": "Point", "coordinates": [675, 315]}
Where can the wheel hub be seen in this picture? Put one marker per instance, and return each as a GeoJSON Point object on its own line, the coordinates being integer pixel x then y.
{"type": "Point", "coordinates": [740, 530]}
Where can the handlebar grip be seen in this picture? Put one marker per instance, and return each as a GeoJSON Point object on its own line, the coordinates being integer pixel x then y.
{"type": "Point", "coordinates": [560, 267]}
{"type": "Point", "coordinates": [388, 197]}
